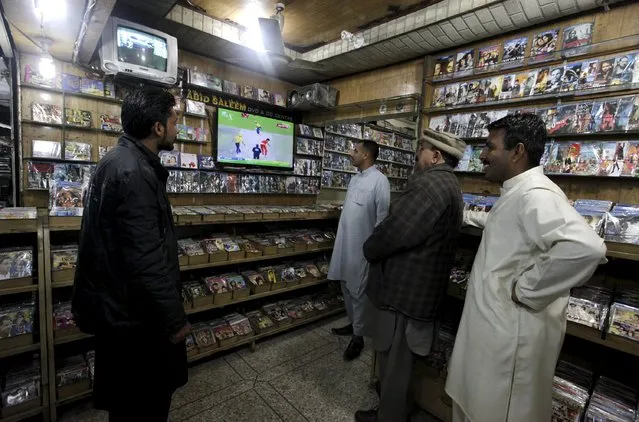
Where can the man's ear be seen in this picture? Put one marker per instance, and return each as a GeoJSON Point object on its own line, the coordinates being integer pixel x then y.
{"type": "Point", "coordinates": [519, 153]}
{"type": "Point", "coordinates": [158, 129]}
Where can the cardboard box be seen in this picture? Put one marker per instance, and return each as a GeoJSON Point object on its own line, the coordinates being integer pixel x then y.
{"type": "Point", "coordinates": [16, 282]}
{"type": "Point", "coordinates": [184, 260]}
{"type": "Point", "coordinates": [73, 389]}
{"type": "Point", "coordinates": [201, 301]}
{"type": "Point", "coordinates": [241, 293]}
{"type": "Point", "coordinates": [219, 256]}
{"type": "Point", "coordinates": [213, 218]}
{"type": "Point", "coordinates": [228, 341]}
{"type": "Point", "coordinates": [237, 255]}
{"type": "Point", "coordinates": [63, 276]}
{"type": "Point", "coordinates": [189, 219]}
{"type": "Point", "coordinates": [278, 286]}
{"type": "Point", "coordinates": [198, 259]}
{"type": "Point", "coordinates": [14, 342]}
{"type": "Point", "coordinates": [66, 332]}
{"type": "Point", "coordinates": [7, 412]}
{"type": "Point", "coordinates": [300, 246]}
{"type": "Point", "coordinates": [222, 298]}
{"type": "Point", "coordinates": [266, 287]}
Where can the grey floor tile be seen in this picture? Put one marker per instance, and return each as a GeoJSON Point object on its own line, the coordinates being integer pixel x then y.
{"type": "Point", "coordinates": [194, 390]}
{"type": "Point", "coordinates": [240, 366]}
{"type": "Point", "coordinates": [248, 407]}
{"type": "Point", "coordinates": [217, 373]}
{"type": "Point", "coordinates": [297, 362]}
{"type": "Point", "coordinates": [328, 389]}
{"type": "Point", "coordinates": [82, 412]}
{"type": "Point", "coordinates": [282, 349]}
{"type": "Point", "coordinates": [209, 402]}
{"type": "Point", "coordinates": [278, 403]}
{"type": "Point", "coordinates": [334, 322]}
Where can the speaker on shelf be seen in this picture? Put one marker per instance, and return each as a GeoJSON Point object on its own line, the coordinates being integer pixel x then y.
{"type": "Point", "coordinates": [312, 96]}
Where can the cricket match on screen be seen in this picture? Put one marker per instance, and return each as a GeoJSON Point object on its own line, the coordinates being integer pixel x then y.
{"type": "Point", "coordinates": [246, 139]}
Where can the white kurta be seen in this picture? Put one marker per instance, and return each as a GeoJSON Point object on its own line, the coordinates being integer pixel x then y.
{"type": "Point", "coordinates": [505, 354]}
{"type": "Point", "coordinates": [365, 206]}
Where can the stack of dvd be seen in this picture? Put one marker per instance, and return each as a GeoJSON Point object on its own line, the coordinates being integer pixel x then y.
{"type": "Point", "coordinates": [594, 212]}
{"type": "Point", "coordinates": [571, 385]}
{"type": "Point", "coordinates": [622, 224]}
{"type": "Point", "coordinates": [611, 401]}
{"type": "Point", "coordinates": [589, 306]}
{"type": "Point", "coordinates": [624, 315]}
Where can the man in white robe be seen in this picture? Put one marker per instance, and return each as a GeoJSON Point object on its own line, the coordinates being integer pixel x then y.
{"type": "Point", "coordinates": [365, 206]}
{"type": "Point", "coordinates": [535, 247]}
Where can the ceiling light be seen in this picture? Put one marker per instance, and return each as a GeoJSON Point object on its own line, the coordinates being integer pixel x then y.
{"type": "Point", "coordinates": [49, 10]}
{"type": "Point", "coordinates": [252, 38]}
{"type": "Point", "coordinates": [46, 66]}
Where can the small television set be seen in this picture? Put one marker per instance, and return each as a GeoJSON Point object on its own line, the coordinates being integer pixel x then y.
{"type": "Point", "coordinates": [245, 139]}
{"type": "Point", "coordinates": [136, 50]}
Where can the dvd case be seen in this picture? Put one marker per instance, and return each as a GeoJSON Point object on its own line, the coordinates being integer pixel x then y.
{"type": "Point", "coordinates": [77, 151]}
{"type": "Point", "coordinates": [46, 149]}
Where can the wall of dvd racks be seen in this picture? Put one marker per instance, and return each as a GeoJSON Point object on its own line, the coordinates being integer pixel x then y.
{"type": "Point", "coordinates": [396, 152]}
{"type": "Point", "coordinates": [581, 76]}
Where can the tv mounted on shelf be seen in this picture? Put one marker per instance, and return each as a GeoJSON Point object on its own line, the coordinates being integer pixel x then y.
{"type": "Point", "coordinates": [136, 50]}
{"type": "Point", "coordinates": [245, 139]}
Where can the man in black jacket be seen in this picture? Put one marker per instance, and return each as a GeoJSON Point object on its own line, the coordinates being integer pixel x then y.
{"type": "Point", "coordinates": [127, 283]}
{"type": "Point", "coordinates": [411, 254]}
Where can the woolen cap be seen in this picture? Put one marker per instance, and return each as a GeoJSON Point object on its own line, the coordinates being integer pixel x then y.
{"type": "Point", "coordinates": [445, 142]}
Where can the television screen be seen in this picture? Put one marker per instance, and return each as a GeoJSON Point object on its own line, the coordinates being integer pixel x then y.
{"type": "Point", "coordinates": [141, 48]}
{"type": "Point", "coordinates": [245, 139]}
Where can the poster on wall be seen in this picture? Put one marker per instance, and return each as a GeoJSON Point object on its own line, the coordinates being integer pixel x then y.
{"type": "Point", "coordinates": [543, 45]}
{"type": "Point", "coordinates": [514, 51]}
{"type": "Point", "coordinates": [576, 39]}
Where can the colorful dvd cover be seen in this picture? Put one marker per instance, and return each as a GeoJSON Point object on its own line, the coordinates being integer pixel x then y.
{"type": "Point", "coordinates": [92, 87]}
{"type": "Point", "coordinates": [588, 74]}
{"type": "Point", "coordinates": [519, 86]}
{"type": "Point", "coordinates": [589, 159]}
{"type": "Point", "coordinates": [541, 81]}
{"type": "Point", "coordinates": [475, 164]}
{"type": "Point", "coordinates": [451, 94]}
{"type": "Point", "coordinates": [39, 175]}
{"type": "Point", "coordinates": [631, 158]}
{"type": "Point", "coordinates": [111, 123]}
{"type": "Point", "coordinates": [195, 107]}
{"type": "Point", "coordinates": [514, 51]}
{"type": "Point", "coordinates": [70, 83]}
{"type": "Point", "coordinates": [188, 161]}
{"type": "Point", "coordinates": [444, 67]}
{"type": "Point", "coordinates": [46, 149]}
{"type": "Point", "coordinates": [439, 96]}
{"type": "Point", "coordinates": [570, 78]}
{"type": "Point", "coordinates": [464, 163]}
{"type": "Point", "coordinates": [464, 63]}
{"type": "Point", "coordinates": [543, 44]}
{"type": "Point", "coordinates": [507, 86]}
{"type": "Point", "coordinates": [439, 123]}
{"type": "Point", "coordinates": [577, 36]}
{"type": "Point", "coordinates": [279, 100]}
{"type": "Point", "coordinates": [584, 120]}
{"type": "Point", "coordinates": [555, 76]}
{"type": "Point", "coordinates": [462, 94]}
{"type": "Point", "coordinates": [547, 115]}
{"type": "Point", "coordinates": [495, 88]}
{"type": "Point", "coordinates": [624, 110]}
{"type": "Point", "coordinates": [46, 113]}
{"type": "Point", "coordinates": [487, 58]}
{"type": "Point", "coordinates": [633, 120]}
{"type": "Point", "coordinates": [473, 92]}
{"type": "Point", "coordinates": [624, 68]}
{"type": "Point", "coordinates": [565, 120]}
{"type": "Point", "coordinates": [603, 76]}
{"type": "Point", "coordinates": [170, 158]}
{"type": "Point", "coordinates": [612, 158]}
{"type": "Point", "coordinates": [608, 116]}
{"type": "Point", "coordinates": [66, 198]}
{"type": "Point", "coordinates": [77, 151]}
{"type": "Point", "coordinates": [75, 117]}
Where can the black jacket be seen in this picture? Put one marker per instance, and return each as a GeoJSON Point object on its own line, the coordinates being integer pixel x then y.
{"type": "Point", "coordinates": [412, 251]}
{"type": "Point", "coordinates": [128, 274]}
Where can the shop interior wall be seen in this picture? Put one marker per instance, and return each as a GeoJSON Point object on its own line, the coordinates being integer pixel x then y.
{"type": "Point", "coordinates": [620, 21]}
{"type": "Point", "coordinates": [98, 106]}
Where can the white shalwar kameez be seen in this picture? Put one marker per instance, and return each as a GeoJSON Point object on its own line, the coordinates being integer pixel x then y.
{"type": "Point", "coordinates": [504, 358]}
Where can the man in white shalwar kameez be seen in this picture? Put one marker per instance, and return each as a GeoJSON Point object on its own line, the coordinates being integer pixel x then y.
{"type": "Point", "coordinates": [365, 206]}
{"type": "Point", "coordinates": [535, 247]}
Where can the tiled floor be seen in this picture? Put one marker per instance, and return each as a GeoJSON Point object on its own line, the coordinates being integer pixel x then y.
{"type": "Point", "coordinates": [295, 377]}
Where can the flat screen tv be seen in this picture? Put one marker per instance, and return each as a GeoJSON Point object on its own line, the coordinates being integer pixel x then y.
{"type": "Point", "coordinates": [140, 51]}
{"type": "Point", "coordinates": [247, 140]}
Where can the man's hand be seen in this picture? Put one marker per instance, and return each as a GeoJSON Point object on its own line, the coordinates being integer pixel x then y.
{"type": "Point", "coordinates": [181, 335]}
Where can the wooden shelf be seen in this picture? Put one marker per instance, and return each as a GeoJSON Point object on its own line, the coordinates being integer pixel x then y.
{"type": "Point", "coordinates": [630, 134]}
{"type": "Point", "coordinates": [73, 127]}
{"type": "Point", "coordinates": [62, 284]}
{"type": "Point", "coordinates": [16, 290]}
{"type": "Point", "coordinates": [256, 297]}
{"type": "Point", "coordinates": [20, 350]}
{"type": "Point", "coordinates": [344, 136]}
{"type": "Point", "coordinates": [543, 98]}
{"type": "Point", "coordinates": [605, 339]}
{"type": "Point", "coordinates": [396, 132]}
{"type": "Point", "coordinates": [256, 337]}
{"type": "Point", "coordinates": [309, 137]}
{"type": "Point", "coordinates": [304, 154]}
{"type": "Point", "coordinates": [254, 259]}
{"type": "Point", "coordinates": [73, 223]}
{"type": "Point", "coordinates": [24, 415]}
{"type": "Point", "coordinates": [76, 397]}
{"type": "Point", "coordinates": [198, 116]}
{"type": "Point", "coordinates": [72, 94]}
{"type": "Point", "coordinates": [338, 170]}
{"type": "Point", "coordinates": [18, 225]}
{"type": "Point", "coordinates": [73, 338]}
{"type": "Point", "coordinates": [614, 250]}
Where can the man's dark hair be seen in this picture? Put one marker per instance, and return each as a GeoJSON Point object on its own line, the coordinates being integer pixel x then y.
{"type": "Point", "coordinates": [143, 107]}
{"type": "Point", "coordinates": [526, 129]}
{"type": "Point", "coordinates": [371, 147]}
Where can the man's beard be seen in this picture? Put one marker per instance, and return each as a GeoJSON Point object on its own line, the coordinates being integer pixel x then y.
{"type": "Point", "coordinates": [165, 145]}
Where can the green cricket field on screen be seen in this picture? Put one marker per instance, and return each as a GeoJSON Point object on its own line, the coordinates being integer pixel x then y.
{"type": "Point", "coordinates": [246, 139]}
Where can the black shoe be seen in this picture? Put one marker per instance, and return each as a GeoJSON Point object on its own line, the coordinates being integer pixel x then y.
{"type": "Point", "coordinates": [366, 415]}
{"type": "Point", "coordinates": [344, 331]}
{"type": "Point", "coordinates": [354, 348]}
